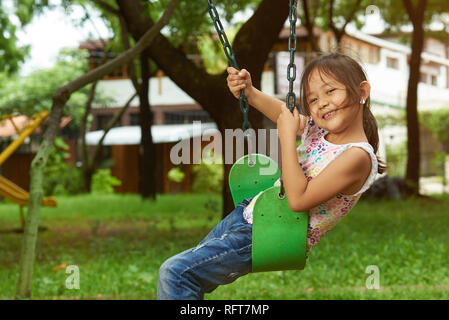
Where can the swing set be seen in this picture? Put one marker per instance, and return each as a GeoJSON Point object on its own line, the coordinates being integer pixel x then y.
{"type": "Point", "coordinates": [279, 236]}
{"type": "Point", "coordinates": [9, 189]}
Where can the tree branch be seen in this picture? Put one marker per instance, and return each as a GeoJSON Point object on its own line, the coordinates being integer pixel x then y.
{"type": "Point", "coordinates": [110, 125]}
{"type": "Point", "coordinates": [106, 6]}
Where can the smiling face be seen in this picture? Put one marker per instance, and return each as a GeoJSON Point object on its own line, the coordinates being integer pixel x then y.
{"type": "Point", "coordinates": [328, 103]}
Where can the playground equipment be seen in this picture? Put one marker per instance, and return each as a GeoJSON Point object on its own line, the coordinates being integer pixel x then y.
{"type": "Point", "coordinates": [9, 189]}
{"type": "Point", "coordinates": [279, 236]}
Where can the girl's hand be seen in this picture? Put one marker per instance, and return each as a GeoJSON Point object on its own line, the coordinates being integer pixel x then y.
{"type": "Point", "coordinates": [239, 80]}
{"type": "Point", "coordinates": [288, 124]}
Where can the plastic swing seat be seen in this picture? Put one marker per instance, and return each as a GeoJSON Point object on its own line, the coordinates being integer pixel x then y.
{"type": "Point", "coordinates": [279, 234]}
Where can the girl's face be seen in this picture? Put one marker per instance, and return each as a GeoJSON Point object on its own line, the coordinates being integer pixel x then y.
{"type": "Point", "coordinates": [326, 99]}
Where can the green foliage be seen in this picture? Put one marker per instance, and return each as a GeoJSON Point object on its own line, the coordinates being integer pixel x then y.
{"type": "Point", "coordinates": [438, 122]}
{"type": "Point", "coordinates": [60, 176]}
{"type": "Point", "coordinates": [208, 176]}
{"type": "Point", "coordinates": [191, 19]}
{"type": "Point", "coordinates": [104, 182]}
{"type": "Point", "coordinates": [176, 175]}
{"type": "Point", "coordinates": [395, 15]}
{"type": "Point", "coordinates": [34, 93]}
{"type": "Point", "coordinates": [214, 59]}
{"type": "Point", "coordinates": [439, 165]}
{"type": "Point", "coordinates": [385, 120]}
{"type": "Point", "coordinates": [396, 159]}
{"type": "Point", "coordinates": [13, 16]}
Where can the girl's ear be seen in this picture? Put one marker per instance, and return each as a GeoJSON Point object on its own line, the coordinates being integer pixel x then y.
{"type": "Point", "coordinates": [365, 90]}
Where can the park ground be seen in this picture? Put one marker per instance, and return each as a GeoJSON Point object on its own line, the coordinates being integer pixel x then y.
{"type": "Point", "coordinates": [119, 242]}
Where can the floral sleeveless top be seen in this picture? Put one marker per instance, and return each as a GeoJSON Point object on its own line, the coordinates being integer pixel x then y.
{"type": "Point", "coordinates": [315, 153]}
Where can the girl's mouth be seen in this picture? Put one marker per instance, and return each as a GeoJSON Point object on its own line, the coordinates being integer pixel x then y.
{"type": "Point", "coordinates": [330, 115]}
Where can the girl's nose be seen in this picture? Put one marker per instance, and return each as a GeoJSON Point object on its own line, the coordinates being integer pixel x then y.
{"type": "Point", "coordinates": [323, 103]}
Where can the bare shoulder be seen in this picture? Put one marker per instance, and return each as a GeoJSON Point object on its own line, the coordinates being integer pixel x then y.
{"type": "Point", "coordinates": [344, 175]}
{"type": "Point", "coordinates": [357, 163]}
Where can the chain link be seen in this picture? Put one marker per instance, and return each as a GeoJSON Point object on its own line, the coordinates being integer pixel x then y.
{"type": "Point", "coordinates": [243, 100]}
{"type": "Point", "coordinates": [291, 69]}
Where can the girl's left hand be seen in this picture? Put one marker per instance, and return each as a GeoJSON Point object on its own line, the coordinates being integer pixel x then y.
{"type": "Point", "coordinates": [288, 123]}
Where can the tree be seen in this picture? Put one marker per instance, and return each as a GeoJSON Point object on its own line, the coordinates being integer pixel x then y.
{"type": "Point", "coordinates": [189, 26]}
{"type": "Point", "coordinates": [140, 71]}
{"type": "Point", "coordinates": [420, 13]}
{"type": "Point", "coordinates": [60, 98]}
{"type": "Point", "coordinates": [31, 94]}
{"type": "Point", "coordinates": [14, 16]}
{"type": "Point", "coordinates": [334, 15]}
{"type": "Point", "coordinates": [252, 45]}
{"type": "Point", "coordinates": [346, 13]}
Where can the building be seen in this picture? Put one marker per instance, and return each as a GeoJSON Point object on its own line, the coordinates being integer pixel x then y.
{"type": "Point", "coordinates": [383, 57]}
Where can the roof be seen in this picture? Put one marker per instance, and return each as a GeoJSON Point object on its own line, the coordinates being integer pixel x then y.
{"type": "Point", "coordinates": [131, 135]}
{"type": "Point", "coordinates": [396, 47]}
{"type": "Point", "coordinates": [93, 44]}
{"type": "Point", "coordinates": [7, 127]}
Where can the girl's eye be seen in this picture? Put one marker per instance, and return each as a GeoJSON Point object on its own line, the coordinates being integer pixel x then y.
{"type": "Point", "coordinates": [312, 101]}
{"type": "Point", "coordinates": [331, 90]}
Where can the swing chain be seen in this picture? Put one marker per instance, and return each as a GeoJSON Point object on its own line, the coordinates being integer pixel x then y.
{"type": "Point", "coordinates": [291, 69]}
{"type": "Point", "coordinates": [291, 73]}
{"type": "Point", "coordinates": [243, 100]}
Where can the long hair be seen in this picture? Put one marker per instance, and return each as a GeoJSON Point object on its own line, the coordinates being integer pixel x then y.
{"type": "Point", "coordinates": [347, 71]}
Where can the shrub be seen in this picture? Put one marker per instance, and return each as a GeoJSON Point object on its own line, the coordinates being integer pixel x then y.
{"type": "Point", "coordinates": [104, 182]}
{"type": "Point", "coordinates": [176, 175]}
{"type": "Point", "coordinates": [396, 159]}
{"type": "Point", "coordinates": [61, 177]}
{"type": "Point", "coordinates": [208, 176]}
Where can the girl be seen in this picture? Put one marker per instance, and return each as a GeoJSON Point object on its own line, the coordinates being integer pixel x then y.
{"type": "Point", "coordinates": [337, 163]}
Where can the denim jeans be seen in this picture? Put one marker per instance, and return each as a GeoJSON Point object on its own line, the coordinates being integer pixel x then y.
{"type": "Point", "coordinates": [220, 258]}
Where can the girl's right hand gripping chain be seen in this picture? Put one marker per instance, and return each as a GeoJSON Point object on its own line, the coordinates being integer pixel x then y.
{"type": "Point", "coordinates": [239, 80]}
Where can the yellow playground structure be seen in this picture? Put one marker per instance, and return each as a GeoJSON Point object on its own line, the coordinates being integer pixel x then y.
{"type": "Point", "coordinates": [9, 189]}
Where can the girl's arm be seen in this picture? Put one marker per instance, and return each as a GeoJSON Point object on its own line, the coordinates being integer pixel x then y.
{"type": "Point", "coordinates": [269, 106]}
{"type": "Point", "coordinates": [348, 172]}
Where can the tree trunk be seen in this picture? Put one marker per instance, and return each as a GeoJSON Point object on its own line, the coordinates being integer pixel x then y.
{"type": "Point", "coordinates": [60, 98]}
{"type": "Point", "coordinates": [309, 24]}
{"type": "Point", "coordinates": [87, 173]}
{"type": "Point", "coordinates": [413, 142]}
{"type": "Point", "coordinates": [29, 240]}
{"type": "Point", "coordinates": [147, 154]}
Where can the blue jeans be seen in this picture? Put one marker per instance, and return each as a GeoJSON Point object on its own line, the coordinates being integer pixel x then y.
{"type": "Point", "coordinates": [220, 258]}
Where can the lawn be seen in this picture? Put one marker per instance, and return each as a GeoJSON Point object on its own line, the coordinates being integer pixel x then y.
{"type": "Point", "coordinates": [118, 243]}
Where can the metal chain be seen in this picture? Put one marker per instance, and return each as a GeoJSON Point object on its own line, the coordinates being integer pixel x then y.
{"type": "Point", "coordinates": [291, 69]}
{"type": "Point", "coordinates": [243, 100]}
{"type": "Point", "coordinates": [291, 77]}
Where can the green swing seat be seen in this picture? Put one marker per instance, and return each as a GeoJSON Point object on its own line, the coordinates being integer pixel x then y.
{"type": "Point", "coordinates": [279, 234]}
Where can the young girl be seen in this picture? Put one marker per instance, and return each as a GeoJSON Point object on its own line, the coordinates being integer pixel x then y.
{"type": "Point", "coordinates": [337, 163]}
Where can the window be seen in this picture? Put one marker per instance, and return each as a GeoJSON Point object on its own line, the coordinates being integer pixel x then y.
{"type": "Point", "coordinates": [433, 80]}
{"type": "Point", "coordinates": [393, 63]}
{"type": "Point", "coordinates": [103, 121]}
{"type": "Point", "coordinates": [134, 119]}
{"type": "Point", "coordinates": [374, 55]}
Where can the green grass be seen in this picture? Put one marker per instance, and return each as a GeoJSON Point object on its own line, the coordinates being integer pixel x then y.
{"type": "Point", "coordinates": [119, 242]}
